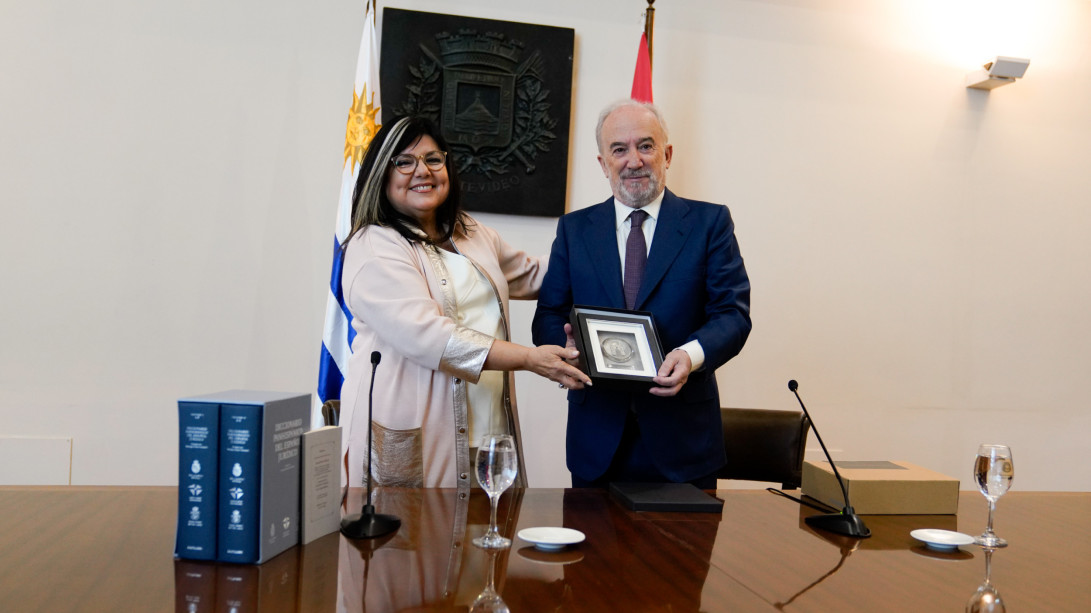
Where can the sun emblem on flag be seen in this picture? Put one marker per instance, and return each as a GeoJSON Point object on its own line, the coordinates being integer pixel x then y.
{"type": "Point", "coordinates": [361, 126]}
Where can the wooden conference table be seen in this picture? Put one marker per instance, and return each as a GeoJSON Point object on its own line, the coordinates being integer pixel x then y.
{"type": "Point", "coordinates": [110, 549]}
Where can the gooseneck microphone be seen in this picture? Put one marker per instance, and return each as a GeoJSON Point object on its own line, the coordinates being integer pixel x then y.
{"type": "Point", "coordinates": [368, 524]}
{"type": "Point", "coordinates": [847, 522]}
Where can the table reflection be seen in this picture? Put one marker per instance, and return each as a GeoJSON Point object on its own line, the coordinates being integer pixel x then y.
{"type": "Point", "coordinates": [643, 544]}
{"type": "Point", "coordinates": [489, 600]}
{"type": "Point", "coordinates": [430, 563]}
{"type": "Point", "coordinates": [301, 579]}
{"type": "Point", "coordinates": [845, 544]}
{"type": "Point", "coordinates": [762, 555]}
{"type": "Point", "coordinates": [986, 599]}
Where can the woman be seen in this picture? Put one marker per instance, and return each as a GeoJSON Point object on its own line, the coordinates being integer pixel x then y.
{"type": "Point", "coordinates": [428, 289]}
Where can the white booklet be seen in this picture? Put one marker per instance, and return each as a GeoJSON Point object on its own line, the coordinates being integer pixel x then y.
{"type": "Point", "coordinates": [321, 483]}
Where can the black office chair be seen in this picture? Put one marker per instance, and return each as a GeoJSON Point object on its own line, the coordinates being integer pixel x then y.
{"type": "Point", "coordinates": [764, 445]}
{"type": "Point", "coordinates": [331, 412]}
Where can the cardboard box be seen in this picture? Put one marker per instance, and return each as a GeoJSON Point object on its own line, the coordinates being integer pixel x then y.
{"type": "Point", "coordinates": [883, 488]}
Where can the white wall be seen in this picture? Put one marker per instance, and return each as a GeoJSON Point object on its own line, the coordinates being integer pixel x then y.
{"type": "Point", "coordinates": [917, 250]}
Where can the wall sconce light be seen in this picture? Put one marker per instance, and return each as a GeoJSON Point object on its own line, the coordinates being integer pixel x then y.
{"type": "Point", "coordinates": [1001, 71]}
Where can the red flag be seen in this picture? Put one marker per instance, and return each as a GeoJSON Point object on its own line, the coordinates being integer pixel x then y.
{"type": "Point", "coordinates": [642, 78]}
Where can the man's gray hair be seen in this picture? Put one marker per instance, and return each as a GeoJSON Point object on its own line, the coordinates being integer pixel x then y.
{"type": "Point", "coordinates": [628, 102]}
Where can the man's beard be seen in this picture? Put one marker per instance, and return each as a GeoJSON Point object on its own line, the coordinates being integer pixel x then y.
{"type": "Point", "coordinates": [638, 196]}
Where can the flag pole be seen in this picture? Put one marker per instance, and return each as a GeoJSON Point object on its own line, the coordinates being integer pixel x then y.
{"type": "Point", "coordinates": [642, 75]}
{"type": "Point", "coordinates": [649, 25]}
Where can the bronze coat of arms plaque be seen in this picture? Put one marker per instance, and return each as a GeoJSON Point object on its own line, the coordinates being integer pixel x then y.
{"type": "Point", "coordinates": [501, 93]}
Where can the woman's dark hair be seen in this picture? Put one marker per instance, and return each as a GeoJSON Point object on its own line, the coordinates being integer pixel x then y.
{"type": "Point", "coordinates": [370, 205]}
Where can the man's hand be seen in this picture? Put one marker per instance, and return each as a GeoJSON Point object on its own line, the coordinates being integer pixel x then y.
{"type": "Point", "coordinates": [673, 374]}
{"type": "Point", "coordinates": [570, 344]}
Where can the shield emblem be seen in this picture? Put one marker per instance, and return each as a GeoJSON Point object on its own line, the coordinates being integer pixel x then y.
{"type": "Point", "coordinates": [478, 106]}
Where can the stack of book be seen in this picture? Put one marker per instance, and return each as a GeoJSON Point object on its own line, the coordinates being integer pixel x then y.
{"type": "Point", "coordinates": [241, 473]}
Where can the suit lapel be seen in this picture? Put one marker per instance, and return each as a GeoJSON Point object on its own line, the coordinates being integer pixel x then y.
{"type": "Point", "coordinates": [671, 231]}
{"type": "Point", "coordinates": [600, 240]}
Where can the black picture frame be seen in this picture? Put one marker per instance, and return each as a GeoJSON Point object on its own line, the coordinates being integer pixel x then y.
{"type": "Point", "coordinates": [618, 348]}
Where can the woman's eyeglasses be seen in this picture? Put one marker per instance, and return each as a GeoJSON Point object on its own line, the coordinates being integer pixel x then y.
{"type": "Point", "coordinates": [407, 164]}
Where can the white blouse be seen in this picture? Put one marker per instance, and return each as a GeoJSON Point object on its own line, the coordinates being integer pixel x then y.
{"type": "Point", "coordinates": [478, 309]}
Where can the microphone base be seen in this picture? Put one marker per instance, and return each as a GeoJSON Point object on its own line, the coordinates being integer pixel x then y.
{"type": "Point", "coordinates": [840, 523]}
{"type": "Point", "coordinates": [369, 525]}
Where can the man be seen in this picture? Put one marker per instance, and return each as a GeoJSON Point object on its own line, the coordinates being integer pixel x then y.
{"type": "Point", "coordinates": [694, 284]}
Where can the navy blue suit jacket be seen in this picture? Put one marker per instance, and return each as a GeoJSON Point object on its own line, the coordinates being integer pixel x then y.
{"type": "Point", "coordinates": [696, 287]}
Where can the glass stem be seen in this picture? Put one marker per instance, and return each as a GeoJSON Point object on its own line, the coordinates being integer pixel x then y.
{"type": "Point", "coordinates": [992, 509]}
{"type": "Point", "coordinates": [495, 501]}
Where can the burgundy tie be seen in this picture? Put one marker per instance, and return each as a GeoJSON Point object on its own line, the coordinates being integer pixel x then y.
{"type": "Point", "coordinates": [636, 255]}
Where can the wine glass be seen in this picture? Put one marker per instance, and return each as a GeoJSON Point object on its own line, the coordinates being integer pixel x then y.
{"type": "Point", "coordinates": [993, 472]}
{"type": "Point", "coordinates": [986, 599]}
{"type": "Point", "coordinates": [497, 466]}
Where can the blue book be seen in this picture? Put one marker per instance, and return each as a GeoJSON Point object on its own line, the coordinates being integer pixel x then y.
{"type": "Point", "coordinates": [259, 474]}
{"type": "Point", "coordinates": [199, 439]}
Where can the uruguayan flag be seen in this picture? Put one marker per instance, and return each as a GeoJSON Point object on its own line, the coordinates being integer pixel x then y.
{"type": "Point", "coordinates": [363, 122]}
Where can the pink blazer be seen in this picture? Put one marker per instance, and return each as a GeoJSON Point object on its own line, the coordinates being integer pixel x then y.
{"type": "Point", "coordinates": [403, 307]}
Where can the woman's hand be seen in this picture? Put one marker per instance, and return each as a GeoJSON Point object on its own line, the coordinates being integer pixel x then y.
{"type": "Point", "coordinates": [550, 361]}
{"type": "Point", "coordinates": [555, 363]}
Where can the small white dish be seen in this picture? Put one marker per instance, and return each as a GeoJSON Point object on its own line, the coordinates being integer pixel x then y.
{"type": "Point", "coordinates": [550, 539]}
{"type": "Point", "coordinates": [943, 540]}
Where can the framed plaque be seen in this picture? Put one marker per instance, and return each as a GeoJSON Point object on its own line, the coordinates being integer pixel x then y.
{"type": "Point", "coordinates": [617, 348]}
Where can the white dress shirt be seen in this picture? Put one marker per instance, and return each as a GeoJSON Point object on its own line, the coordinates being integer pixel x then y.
{"type": "Point", "coordinates": [621, 219]}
